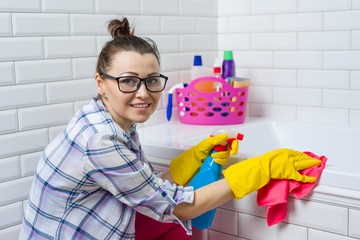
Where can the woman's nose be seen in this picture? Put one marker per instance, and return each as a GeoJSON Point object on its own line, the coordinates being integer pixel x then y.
{"type": "Point", "coordinates": [142, 91]}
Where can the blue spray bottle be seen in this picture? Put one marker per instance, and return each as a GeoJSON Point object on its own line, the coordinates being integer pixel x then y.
{"type": "Point", "coordinates": [210, 172]}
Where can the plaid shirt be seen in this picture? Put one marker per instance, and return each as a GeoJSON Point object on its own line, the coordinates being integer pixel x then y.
{"type": "Point", "coordinates": [92, 178]}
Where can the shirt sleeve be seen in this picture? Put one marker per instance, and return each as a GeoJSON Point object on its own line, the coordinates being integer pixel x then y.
{"type": "Point", "coordinates": [117, 167]}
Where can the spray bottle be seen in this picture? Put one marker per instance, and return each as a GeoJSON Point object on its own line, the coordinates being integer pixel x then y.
{"type": "Point", "coordinates": [210, 172]}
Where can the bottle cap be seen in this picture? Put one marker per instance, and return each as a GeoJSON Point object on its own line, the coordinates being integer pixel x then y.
{"type": "Point", "coordinates": [197, 60]}
{"type": "Point", "coordinates": [217, 70]}
{"type": "Point", "coordinates": [228, 55]}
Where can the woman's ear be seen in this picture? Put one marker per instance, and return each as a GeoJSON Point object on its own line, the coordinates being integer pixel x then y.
{"type": "Point", "coordinates": [99, 83]}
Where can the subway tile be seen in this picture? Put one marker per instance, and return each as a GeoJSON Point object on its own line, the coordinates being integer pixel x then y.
{"type": "Point", "coordinates": [31, 95]}
{"type": "Point", "coordinates": [198, 234]}
{"type": "Point", "coordinates": [20, 5]}
{"type": "Point", "coordinates": [213, 235]}
{"type": "Point", "coordinates": [117, 6]}
{"type": "Point", "coordinates": [23, 24]}
{"type": "Point", "coordinates": [100, 43]}
{"type": "Point", "coordinates": [166, 43]}
{"type": "Point", "coordinates": [9, 169]}
{"type": "Point", "coordinates": [7, 73]}
{"type": "Point", "coordinates": [28, 163]}
{"type": "Point", "coordinates": [198, 7]}
{"type": "Point", "coordinates": [222, 25]}
{"type": "Point", "coordinates": [58, 92]}
{"type": "Point", "coordinates": [5, 25]}
{"type": "Point", "coordinates": [298, 22]}
{"type": "Point", "coordinates": [273, 77]}
{"type": "Point", "coordinates": [21, 48]}
{"type": "Point", "coordinates": [256, 228]}
{"type": "Point", "coordinates": [68, 6]}
{"type": "Point", "coordinates": [11, 215]}
{"type": "Point", "coordinates": [317, 215]}
{"type": "Point", "coordinates": [355, 80]}
{"type": "Point", "coordinates": [239, 41]}
{"type": "Point", "coordinates": [254, 23]}
{"type": "Point", "coordinates": [354, 221]}
{"type": "Point", "coordinates": [356, 4]}
{"type": "Point", "coordinates": [336, 79]}
{"type": "Point", "coordinates": [354, 118]}
{"type": "Point", "coordinates": [10, 232]}
{"type": "Point", "coordinates": [273, 41]}
{"type": "Point", "coordinates": [260, 94]}
{"type": "Point", "coordinates": [207, 25]}
{"type": "Point", "coordinates": [297, 96]}
{"type": "Point", "coordinates": [322, 235]}
{"type": "Point", "coordinates": [176, 61]}
{"type": "Point", "coordinates": [43, 71]}
{"type": "Point", "coordinates": [197, 43]}
{"type": "Point", "coordinates": [225, 221]}
{"type": "Point", "coordinates": [253, 59]}
{"type": "Point", "coordinates": [8, 121]}
{"type": "Point", "coordinates": [233, 7]}
{"type": "Point", "coordinates": [323, 5]}
{"type": "Point", "coordinates": [44, 116]}
{"type": "Point", "coordinates": [342, 60]}
{"type": "Point", "coordinates": [14, 191]}
{"type": "Point", "coordinates": [147, 25]}
{"type": "Point", "coordinates": [84, 67]}
{"type": "Point", "coordinates": [320, 40]}
{"type": "Point", "coordinates": [323, 115]}
{"type": "Point", "coordinates": [89, 24]}
{"type": "Point", "coordinates": [178, 25]}
{"type": "Point", "coordinates": [298, 59]}
{"type": "Point", "coordinates": [273, 6]}
{"type": "Point", "coordinates": [342, 20]}
{"type": "Point", "coordinates": [23, 142]}
{"type": "Point", "coordinates": [355, 39]}
{"type": "Point", "coordinates": [160, 7]}
{"type": "Point", "coordinates": [348, 99]}
{"type": "Point", "coordinates": [273, 111]}
{"type": "Point", "coordinates": [65, 47]}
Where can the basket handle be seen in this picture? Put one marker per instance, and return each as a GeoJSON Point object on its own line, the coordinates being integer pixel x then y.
{"type": "Point", "coordinates": [225, 85]}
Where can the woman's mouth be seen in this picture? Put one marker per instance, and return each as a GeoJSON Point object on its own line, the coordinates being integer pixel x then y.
{"type": "Point", "coordinates": [142, 105]}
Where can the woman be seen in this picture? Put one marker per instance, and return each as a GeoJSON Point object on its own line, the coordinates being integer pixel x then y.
{"type": "Point", "coordinates": [93, 180]}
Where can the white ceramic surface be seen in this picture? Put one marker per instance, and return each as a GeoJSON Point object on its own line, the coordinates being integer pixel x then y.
{"type": "Point", "coordinates": [339, 144]}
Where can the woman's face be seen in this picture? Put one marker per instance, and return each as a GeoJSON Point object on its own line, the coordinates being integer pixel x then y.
{"type": "Point", "coordinates": [127, 108]}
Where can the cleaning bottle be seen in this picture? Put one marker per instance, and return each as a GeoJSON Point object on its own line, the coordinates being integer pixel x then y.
{"type": "Point", "coordinates": [228, 65]}
{"type": "Point", "coordinates": [210, 172]}
{"type": "Point", "coordinates": [198, 70]}
{"type": "Point", "coordinates": [217, 73]}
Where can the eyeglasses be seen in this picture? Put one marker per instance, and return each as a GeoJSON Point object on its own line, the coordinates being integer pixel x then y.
{"type": "Point", "coordinates": [130, 84]}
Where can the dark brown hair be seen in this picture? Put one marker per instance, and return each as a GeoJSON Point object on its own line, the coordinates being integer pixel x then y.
{"type": "Point", "coordinates": [123, 39]}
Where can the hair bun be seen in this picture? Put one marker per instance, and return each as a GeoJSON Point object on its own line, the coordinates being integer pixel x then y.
{"type": "Point", "coordinates": [118, 28]}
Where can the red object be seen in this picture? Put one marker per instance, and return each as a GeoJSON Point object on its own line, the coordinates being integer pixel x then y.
{"type": "Point", "coordinates": [274, 195]}
{"type": "Point", "coordinates": [149, 229]}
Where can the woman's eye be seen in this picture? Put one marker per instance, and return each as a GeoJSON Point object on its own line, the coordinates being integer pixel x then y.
{"type": "Point", "coordinates": [152, 81]}
{"type": "Point", "coordinates": [129, 81]}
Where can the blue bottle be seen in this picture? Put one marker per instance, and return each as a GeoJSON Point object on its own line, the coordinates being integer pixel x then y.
{"type": "Point", "coordinates": [209, 172]}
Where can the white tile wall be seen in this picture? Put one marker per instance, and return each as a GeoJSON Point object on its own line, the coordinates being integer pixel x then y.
{"type": "Point", "coordinates": [354, 219]}
{"type": "Point", "coordinates": [302, 56]}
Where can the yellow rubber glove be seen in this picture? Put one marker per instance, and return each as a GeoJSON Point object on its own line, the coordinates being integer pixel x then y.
{"type": "Point", "coordinates": [184, 166]}
{"type": "Point", "coordinates": [252, 174]}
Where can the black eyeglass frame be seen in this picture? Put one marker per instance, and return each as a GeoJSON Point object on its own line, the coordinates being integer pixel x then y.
{"type": "Point", "coordinates": [102, 74]}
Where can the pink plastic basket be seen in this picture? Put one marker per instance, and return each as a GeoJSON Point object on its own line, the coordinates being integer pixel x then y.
{"type": "Point", "coordinates": [226, 106]}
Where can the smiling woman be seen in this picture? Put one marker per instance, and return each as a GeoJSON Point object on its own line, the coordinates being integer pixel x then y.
{"type": "Point", "coordinates": [94, 181]}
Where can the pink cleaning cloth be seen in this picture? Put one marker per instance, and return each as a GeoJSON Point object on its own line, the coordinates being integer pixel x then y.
{"type": "Point", "coordinates": [274, 195]}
